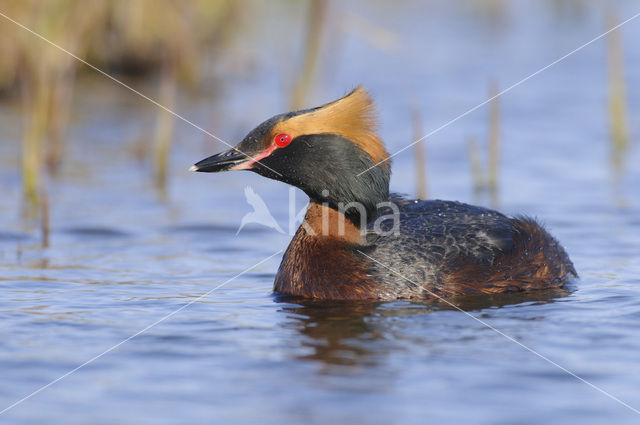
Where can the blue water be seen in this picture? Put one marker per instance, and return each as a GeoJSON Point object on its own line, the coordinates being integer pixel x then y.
{"type": "Point", "coordinates": [123, 257]}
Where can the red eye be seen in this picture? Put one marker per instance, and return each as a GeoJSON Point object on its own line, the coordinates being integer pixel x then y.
{"type": "Point", "coordinates": [282, 140]}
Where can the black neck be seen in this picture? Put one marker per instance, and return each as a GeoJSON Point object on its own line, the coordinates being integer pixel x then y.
{"type": "Point", "coordinates": [327, 168]}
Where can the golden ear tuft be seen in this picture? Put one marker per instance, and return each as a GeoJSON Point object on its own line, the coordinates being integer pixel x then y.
{"type": "Point", "coordinates": [353, 117]}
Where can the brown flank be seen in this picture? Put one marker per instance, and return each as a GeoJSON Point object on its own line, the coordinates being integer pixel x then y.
{"type": "Point", "coordinates": [536, 261]}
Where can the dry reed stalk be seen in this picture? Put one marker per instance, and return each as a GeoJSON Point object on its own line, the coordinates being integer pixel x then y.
{"type": "Point", "coordinates": [618, 111]}
{"type": "Point", "coordinates": [477, 172]}
{"type": "Point", "coordinates": [45, 219]}
{"type": "Point", "coordinates": [164, 128]}
{"type": "Point", "coordinates": [59, 112]}
{"type": "Point", "coordinates": [46, 78]}
{"type": "Point", "coordinates": [36, 100]}
{"type": "Point", "coordinates": [494, 138]}
{"type": "Point", "coordinates": [317, 21]}
{"type": "Point", "coordinates": [419, 155]}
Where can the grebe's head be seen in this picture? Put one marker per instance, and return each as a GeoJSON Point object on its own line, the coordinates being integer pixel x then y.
{"type": "Point", "coordinates": [321, 151]}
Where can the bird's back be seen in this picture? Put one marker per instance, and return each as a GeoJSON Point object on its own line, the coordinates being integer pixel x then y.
{"type": "Point", "coordinates": [445, 248]}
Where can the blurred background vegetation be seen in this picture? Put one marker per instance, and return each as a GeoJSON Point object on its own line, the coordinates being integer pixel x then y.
{"type": "Point", "coordinates": [178, 46]}
{"type": "Point", "coordinates": [142, 38]}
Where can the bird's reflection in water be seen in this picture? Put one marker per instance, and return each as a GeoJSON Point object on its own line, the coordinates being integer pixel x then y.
{"type": "Point", "coordinates": [339, 333]}
{"type": "Point", "coordinates": [353, 334]}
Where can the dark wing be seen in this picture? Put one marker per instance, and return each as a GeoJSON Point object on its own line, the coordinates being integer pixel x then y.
{"type": "Point", "coordinates": [429, 235]}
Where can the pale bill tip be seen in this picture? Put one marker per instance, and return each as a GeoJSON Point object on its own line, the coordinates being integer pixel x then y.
{"type": "Point", "coordinates": [193, 168]}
